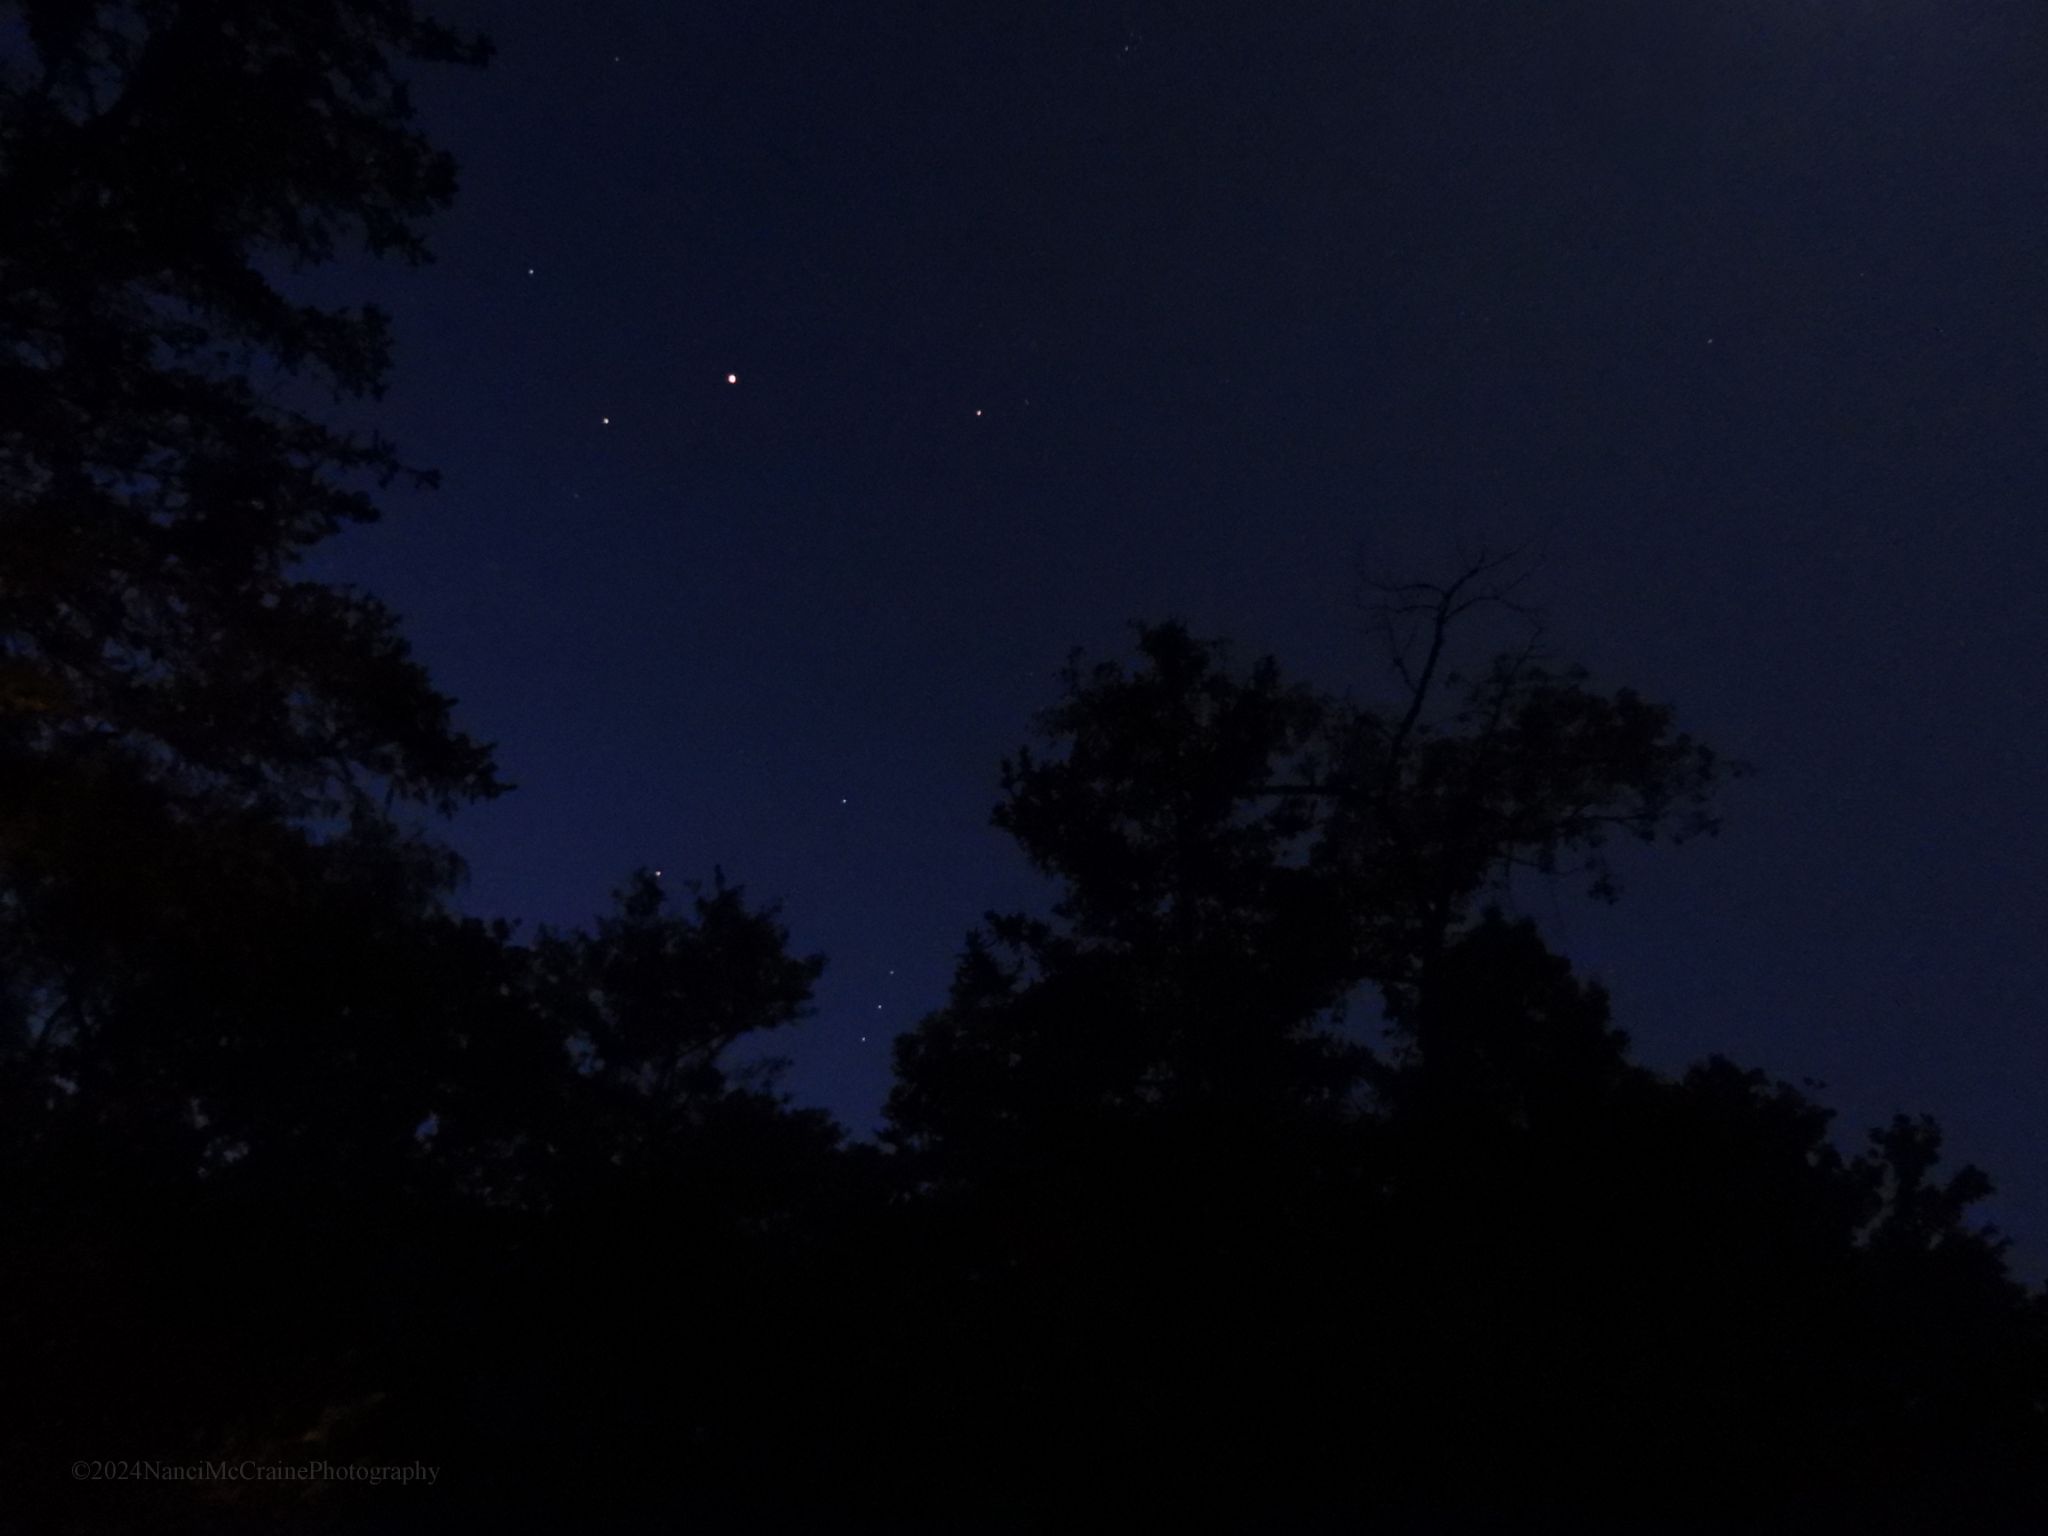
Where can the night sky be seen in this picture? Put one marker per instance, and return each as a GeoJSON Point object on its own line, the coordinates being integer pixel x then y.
{"type": "Point", "coordinates": [1045, 319]}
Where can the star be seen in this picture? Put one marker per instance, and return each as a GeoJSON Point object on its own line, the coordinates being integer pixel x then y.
{"type": "Point", "coordinates": [732, 378]}
{"type": "Point", "coordinates": [606, 420]}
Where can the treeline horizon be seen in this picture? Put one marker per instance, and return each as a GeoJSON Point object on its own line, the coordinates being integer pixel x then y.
{"type": "Point", "coordinates": [302, 1164]}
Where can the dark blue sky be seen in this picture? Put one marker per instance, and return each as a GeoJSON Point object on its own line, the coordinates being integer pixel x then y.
{"type": "Point", "coordinates": [1734, 311]}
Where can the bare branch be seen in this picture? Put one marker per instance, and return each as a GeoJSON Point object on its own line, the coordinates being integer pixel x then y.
{"type": "Point", "coordinates": [1483, 580]}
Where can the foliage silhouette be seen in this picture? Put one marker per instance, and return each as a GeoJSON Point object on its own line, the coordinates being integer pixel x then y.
{"type": "Point", "coordinates": [1490, 1265]}
{"type": "Point", "coordinates": [185, 724]}
{"type": "Point", "coordinates": [245, 1050]}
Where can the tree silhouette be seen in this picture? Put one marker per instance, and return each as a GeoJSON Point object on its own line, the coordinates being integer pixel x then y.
{"type": "Point", "coordinates": [180, 712]}
{"type": "Point", "coordinates": [231, 994]}
{"type": "Point", "coordinates": [293, 1154]}
{"type": "Point", "coordinates": [159, 163]}
{"type": "Point", "coordinates": [1204, 1232]}
{"type": "Point", "coordinates": [1239, 855]}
